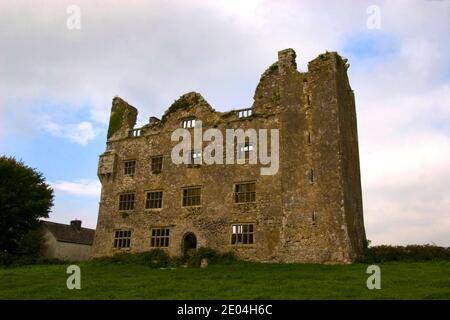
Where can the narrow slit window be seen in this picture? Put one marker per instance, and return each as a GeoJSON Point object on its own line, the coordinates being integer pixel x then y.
{"type": "Point", "coordinates": [312, 177]}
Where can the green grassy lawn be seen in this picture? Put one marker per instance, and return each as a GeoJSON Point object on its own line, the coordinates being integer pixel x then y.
{"type": "Point", "coordinates": [424, 280]}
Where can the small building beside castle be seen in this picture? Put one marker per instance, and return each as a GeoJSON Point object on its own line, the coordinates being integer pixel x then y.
{"type": "Point", "coordinates": [67, 242]}
{"type": "Point", "coordinates": [307, 210]}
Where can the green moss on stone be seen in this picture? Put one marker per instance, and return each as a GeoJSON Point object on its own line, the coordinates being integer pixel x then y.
{"type": "Point", "coordinates": [115, 121]}
{"type": "Point", "coordinates": [273, 67]}
{"type": "Point", "coordinates": [184, 102]}
{"type": "Point", "coordinates": [276, 96]}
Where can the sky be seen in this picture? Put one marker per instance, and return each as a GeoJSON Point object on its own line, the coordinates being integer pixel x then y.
{"type": "Point", "coordinates": [57, 82]}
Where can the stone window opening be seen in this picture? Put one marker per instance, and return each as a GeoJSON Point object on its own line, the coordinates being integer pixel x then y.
{"type": "Point", "coordinates": [308, 97]}
{"type": "Point", "coordinates": [244, 113]}
{"type": "Point", "coordinates": [160, 237]}
{"type": "Point", "coordinates": [314, 217]}
{"type": "Point", "coordinates": [126, 201]}
{"type": "Point", "coordinates": [244, 150]}
{"type": "Point", "coordinates": [129, 167]}
{"type": "Point", "coordinates": [195, 158]}
{"type": "Point", "coordinates": [135, 133]}
{"type": "Point", "coordinates": [242, 234]}
{"type": "Point", "coordinates": [312, 177]}
{"type": "Point", "coordinates": [156, 164]}
{"type": "Point", "coordinates": [188, 123]}
{"type": "Point", "coordinates": [245, 192]}
{"type": "Point", "coordinates": [308, 138]}
{"type": "Point", "coordinates": [154, 200]}
{"type": "Point", "coordinates": [122, 239]}
{"type": "Point", "coordinates": [192, 196]}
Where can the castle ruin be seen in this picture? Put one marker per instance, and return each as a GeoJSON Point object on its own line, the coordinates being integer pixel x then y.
{"type": "Point", "coordinates": [310, 210]}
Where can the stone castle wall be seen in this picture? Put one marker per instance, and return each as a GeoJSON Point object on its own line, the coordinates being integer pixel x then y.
{"type": "Point", "coordinates": [296, 218]}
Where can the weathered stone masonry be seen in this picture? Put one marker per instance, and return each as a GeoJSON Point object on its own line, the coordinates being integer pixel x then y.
{"type": "Point", "coordinates": [310, 211]}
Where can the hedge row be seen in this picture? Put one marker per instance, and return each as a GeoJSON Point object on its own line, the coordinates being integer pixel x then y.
{"type": "Point", "coordinates": [158, 258]}
{"type": "Point", "coordinates": [405, 253]}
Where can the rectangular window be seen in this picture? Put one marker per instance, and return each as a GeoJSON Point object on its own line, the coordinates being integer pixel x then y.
{"type": "Point", "coordinates": [245, 192]}
{"type": "Point", "coordinates": [242, 234]}
{"type": "Point", "coordinates": [129, 167]}
{"type": "Point", "coordinates": [126, 201]}
{"type": "Point", "coordinates": [244, 113]}
{"type": "Point", "coordinates": [122, 239]}
{"type": "Point", "coordinates": [192, 196]}
{"type": "Point", "coordinates": [195, 157]}
{"type": "Point", "coordinates": [160, 237]}
{"type": "Point", "coordinates": [188, 123]}
{"type": "Point", "coordinates": [154, 200]}
{"type": "Point", "coordinates": [157, 164]}
{"type": "Point", "coordinates": [135, 133]}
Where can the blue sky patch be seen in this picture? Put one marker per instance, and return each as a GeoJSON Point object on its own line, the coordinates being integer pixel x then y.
{"type": "Point", "coordinates": [369, 45]}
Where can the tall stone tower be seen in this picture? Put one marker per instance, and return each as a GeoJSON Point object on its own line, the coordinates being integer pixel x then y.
{"type": "Point", "coordinates": [310, 210]}
{"type": "Point", "coordinates": [319, 145]}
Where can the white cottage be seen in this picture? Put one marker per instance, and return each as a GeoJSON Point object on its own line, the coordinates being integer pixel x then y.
{"type": "Point", "coordinates": [68, 242]}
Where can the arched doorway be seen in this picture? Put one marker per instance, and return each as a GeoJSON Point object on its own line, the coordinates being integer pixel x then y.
{"type": "Point", "coordinates": [189, 243]}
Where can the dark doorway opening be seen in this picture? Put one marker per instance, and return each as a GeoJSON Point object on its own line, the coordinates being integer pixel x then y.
{"type": "Point", "coordinates": [189, 243]}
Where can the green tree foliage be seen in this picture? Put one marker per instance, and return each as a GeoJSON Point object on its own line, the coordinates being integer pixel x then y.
{"type": "Point", "coordinates": [31, 247]}
{"type": "Point", "coordinates": [24, 199]}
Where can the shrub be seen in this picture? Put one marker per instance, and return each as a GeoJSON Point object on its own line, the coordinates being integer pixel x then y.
{"type": "Point", "coordinates": [32, 246]}
{"type": "Point", "coordinates": [211, 255]}
{"type": "Point", "coordinates": [6, 258]}
{"type": "Point", "coordinates": [51, 261]}
{"type": "Point", "coordinates": [386, 253]}
{"type": "Point", "coordinates": [156, 258]}
{"type": "Point", "coordinates": [30, 250]}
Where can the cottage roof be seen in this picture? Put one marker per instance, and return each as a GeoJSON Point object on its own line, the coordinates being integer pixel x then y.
{"type": "Point", "coordinates": [69, 233]}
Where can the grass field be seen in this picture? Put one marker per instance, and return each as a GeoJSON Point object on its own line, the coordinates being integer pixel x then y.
{"type": "Point", "coordinates": [401, 280]}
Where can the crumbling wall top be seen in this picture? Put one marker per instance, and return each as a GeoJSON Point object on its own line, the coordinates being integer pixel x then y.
{"type": "Point", "coordinates": [286, 60]}
{"type": "Point", "coordinates": [123, 117]}
{"type": "Point", "coordinates": [185, 102]}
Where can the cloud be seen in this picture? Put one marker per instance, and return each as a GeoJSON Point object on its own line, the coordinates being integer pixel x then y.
{"type": "Point", "coordinates": [82, 187]}
{"type": "Point", "coordinates": [80, 133]}
{"type": "Point", "coordinates": [406, 197]}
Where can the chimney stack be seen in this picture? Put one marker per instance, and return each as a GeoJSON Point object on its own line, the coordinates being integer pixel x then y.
{"type": "Point", "coordinates": [76, 224]}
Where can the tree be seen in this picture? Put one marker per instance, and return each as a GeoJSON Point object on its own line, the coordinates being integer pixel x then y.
{"type": "Point", "coordinates": [24, 199]}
